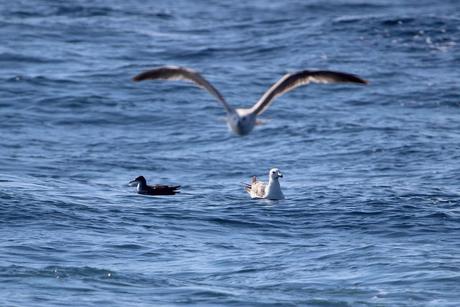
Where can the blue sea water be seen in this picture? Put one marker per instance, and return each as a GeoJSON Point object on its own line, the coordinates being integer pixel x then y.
{"type": "Point", "coordinates": [371, 174]}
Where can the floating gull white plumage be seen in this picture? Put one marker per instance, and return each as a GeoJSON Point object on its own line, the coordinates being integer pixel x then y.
{"type": "Point", "coordinates": [272, 190]}
{"type": "Point", "coordinates": [242, 120]}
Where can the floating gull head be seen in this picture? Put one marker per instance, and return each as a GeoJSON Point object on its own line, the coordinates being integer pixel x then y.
{"type": "Point", "coordinates": [242, 120]}
{"type": "Point", "coordinates": [275, 174]}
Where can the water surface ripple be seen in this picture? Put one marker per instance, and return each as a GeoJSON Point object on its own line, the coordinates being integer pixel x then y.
{"type": "Point", "coordinates": [371, 173]}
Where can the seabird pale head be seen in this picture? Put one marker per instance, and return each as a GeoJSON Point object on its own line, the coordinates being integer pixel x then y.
{"type": "Point", "coordinates": [242, 121]}
{"type": "Point", "coordinates": [275, 174]}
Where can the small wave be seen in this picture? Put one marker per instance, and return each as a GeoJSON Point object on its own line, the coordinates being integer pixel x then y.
{"type": "Point", "coordinates": [16, 271]}
{"type": "Point", "coordinates": [438, 33]}
{"type": "Point", "coordinates": [81, 11]}
{"type": "Point", "coordinates": [71, 102]}
{"type": "Point", "coordinates": [39, 80]}
{"type": "Point", "coordinates": [343, 6]}
{"type": "Point", "coordinates": [14, 57]}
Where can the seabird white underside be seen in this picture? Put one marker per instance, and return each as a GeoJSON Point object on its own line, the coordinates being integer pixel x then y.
{"type": "Point", "coordinates": [242, 120]}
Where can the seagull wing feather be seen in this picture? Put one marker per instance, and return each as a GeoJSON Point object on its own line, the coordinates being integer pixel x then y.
{"type": "Point", "coordinates": [183, 73]}
{"type": "Point", "coordinates": [291, 81]}
{"type": "Point", "coordinates": [258, 189]}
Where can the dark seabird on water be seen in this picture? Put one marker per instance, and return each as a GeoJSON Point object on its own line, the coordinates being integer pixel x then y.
{"type": "Point", "coordinates": [242, 120]}
{"type": "Point", "coordinates": [143, 188]}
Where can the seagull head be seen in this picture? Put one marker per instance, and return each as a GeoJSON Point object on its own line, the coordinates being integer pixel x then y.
{"type": "Point", "coordinates": [275, 174]}
{"type": "Point", "coordinates": [242, 121]}
{"type": "Point", "coordinates": [138, 181]}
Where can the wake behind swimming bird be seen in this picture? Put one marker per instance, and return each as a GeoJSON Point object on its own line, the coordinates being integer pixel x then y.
{"type": "Point", "coordinates": [242, 120]}
{"type": "Point", "coordinates": [272, 190]}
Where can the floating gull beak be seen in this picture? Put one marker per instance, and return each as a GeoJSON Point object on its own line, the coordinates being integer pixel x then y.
{"type": "Point", "coordinates": [280, 175]}
{"type": "Point", "coordinates": [132, 183]}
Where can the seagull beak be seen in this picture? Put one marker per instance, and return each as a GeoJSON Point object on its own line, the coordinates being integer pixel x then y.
{"type": "Point", "coordinates": [280, 175]}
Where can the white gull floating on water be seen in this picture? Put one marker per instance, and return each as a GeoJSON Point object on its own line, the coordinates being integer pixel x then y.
{"type": "Point", "coordinates": [242, 120]}
{"type": "Point", "coordinates": [272, 190]}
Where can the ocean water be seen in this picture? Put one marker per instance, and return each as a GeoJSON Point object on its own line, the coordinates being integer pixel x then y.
{"type": "Point", "coordinates": [371, 173]}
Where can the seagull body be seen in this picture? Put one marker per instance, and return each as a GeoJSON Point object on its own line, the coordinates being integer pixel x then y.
{"type": "Point", "coordinates": [242, 120]}
{"type": "Point", "coordinates": [143, 188]}
{"type": "Point", "coordinates": [272, 190]}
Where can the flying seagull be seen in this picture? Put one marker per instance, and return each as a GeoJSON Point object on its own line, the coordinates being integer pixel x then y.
{"type": "Point", "coordinates": [272, 190]}
{"type": "Point", "coordinates": [143, 188]}
{"type": "Point", "coordinates": [242, 120]}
